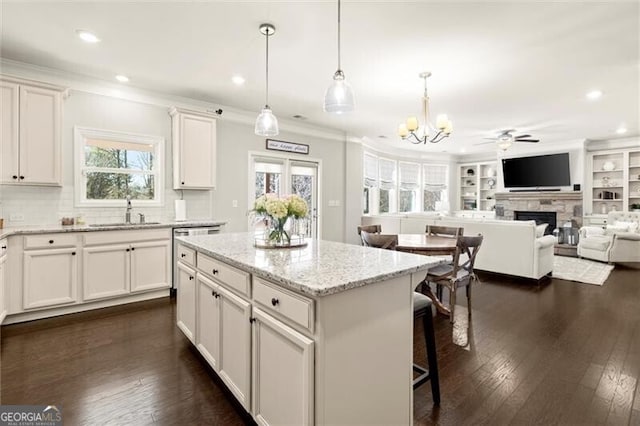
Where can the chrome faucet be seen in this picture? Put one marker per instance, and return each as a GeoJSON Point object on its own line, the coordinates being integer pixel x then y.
{"type": "Point", "coordinates": [127, 215]}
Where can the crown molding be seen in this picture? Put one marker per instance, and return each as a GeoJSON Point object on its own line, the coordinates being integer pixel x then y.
{"type": "Point", "coordinates": [618, 143]}
{"type": "Point", "coordinates": [86, 84]}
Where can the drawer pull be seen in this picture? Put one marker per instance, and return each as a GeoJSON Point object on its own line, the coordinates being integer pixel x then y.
{"type": "Point", "coordinates": [274, 301]}
{"type": "Point", "coordinates": [215, 272]}
{"type": "Point", "coordinates": [183, 255]}
{"type": "Point", "coordinates": [190, 277]}
{"type": "Point", "coordinates": [73, 253]}
{"type": "Point", "coordinates": [4, 247]}
{"type": "Point", "coordinates": [133, 248]}
{"type": "Point", "coordinates": [50, 241]}
{"type": "Point", "coordinates": [252, 320]}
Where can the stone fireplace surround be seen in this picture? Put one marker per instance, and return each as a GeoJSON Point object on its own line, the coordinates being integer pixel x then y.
{"type": "Point", "coordinates": [566, 204]}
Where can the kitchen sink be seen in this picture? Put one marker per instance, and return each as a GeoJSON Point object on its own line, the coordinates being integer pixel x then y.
{"type": "Point", "coordinates": [102, 225]}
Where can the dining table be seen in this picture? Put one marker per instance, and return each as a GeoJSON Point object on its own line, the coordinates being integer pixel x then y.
{"type": "Point", "coordinates": [428, 245]}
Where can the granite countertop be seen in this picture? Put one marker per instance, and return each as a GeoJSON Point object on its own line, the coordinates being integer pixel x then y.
{"type": "Point", "coordinates": [319, 269]}
{"type": "Point", "coordinates": [46, 229]}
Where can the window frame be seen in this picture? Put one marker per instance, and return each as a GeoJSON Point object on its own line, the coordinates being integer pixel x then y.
{"type": "Point", "coordinates": [81, 134]}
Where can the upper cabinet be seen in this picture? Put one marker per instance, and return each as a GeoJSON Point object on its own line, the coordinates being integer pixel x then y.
{"type": "Point", "coordinates": [194, 149]}
{"type": "Point", "coordinates": [31, 122]}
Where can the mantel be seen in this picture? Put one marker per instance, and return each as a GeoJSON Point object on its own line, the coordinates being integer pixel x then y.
{"type": "Point", "coordinates": [553, 195]}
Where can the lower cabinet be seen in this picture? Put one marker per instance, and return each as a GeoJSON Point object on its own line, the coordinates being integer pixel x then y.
{"type": "Point", "coordinates": [3, 259]}
{"type": "Point", "coordinates": [224, 336]}
{"type": "Point", "coordinates": [283, 373]}
{"type": "Point", "coordinates": [186, 303]}
{"type": "Point", "coordinates": [50, 277]}
{"type": "Point", "coordinates": [105, 271]}
{"type": "Point", "coordinates": [150, 265]}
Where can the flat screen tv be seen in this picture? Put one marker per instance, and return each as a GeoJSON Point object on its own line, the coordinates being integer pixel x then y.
{"type": "Point", "coordinates": [537, 172]}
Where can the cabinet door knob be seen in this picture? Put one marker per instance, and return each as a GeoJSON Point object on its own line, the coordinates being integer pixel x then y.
{"type": "Point", "coordinates": [182, 183]}
{"type": "Point", "coordinates": [182, 255]}
{"type": "Point", "coordinates": [213, 293]}
{"type": "Point", "coordinates": [215, 272]}
{"type": "Point", "coordinates": [73, 253]}
{"type": "Point", "coordinates": [21, 177]}
{"type": "Point", "coordinates": [190, 277]}
{"type": "Point", "coordinates": [274, 301]}
{"type": "Point", "coordinates": [15, 176]}
{"type": "Point", "coordinates": [133, 248]}
{"type": "Point", "coordinates": [50, 241]}
{"type": "Point", "coordinates": [252, 320]}
{"type": "Point", "coordinates": [126, 249]}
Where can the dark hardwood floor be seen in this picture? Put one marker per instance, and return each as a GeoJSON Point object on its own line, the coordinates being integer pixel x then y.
{"type": "Point", "coordinates": [561, 353]}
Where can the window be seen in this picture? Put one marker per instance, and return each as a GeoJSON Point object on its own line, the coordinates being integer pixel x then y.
{"type": "Point", "coordinates": [434, 187]}
{"type": "Point", "coordinates": [267, 177]}
{"type": "Point", "coordinates": [111, 166]}
{"type": "Point", "coordinates": [387, 185]}
{"type": "Point", "coordinates": [391, 186]}
{"type": "Point", "coordinates": [409, 187]}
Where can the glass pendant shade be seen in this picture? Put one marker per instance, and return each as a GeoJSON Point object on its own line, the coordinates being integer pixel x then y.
{"type": "Point", "coordinates": [339, 96]}
{"type": "Point", "coordinates": [266, 123]}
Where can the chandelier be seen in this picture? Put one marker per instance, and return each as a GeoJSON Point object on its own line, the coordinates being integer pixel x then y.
{"type": "Point", "coordinates": [415, 134]}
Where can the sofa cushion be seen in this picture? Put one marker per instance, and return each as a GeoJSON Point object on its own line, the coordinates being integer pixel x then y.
{"type": "Point", "coordinates": [540, 229]}
{"type": "Point", "coordinates": [598, 242]}
{"type": "Point", "coordinates": [631, 226]}
{"type": "Point", "coordinates": [592, 231]}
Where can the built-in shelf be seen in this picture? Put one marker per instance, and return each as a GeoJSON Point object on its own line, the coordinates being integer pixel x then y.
{"type": "Point", "coordinates": [481, 173]}
{"type": "Point", "coordinates": [607, 171]}
{"type": "Point", "coordinates": [608, 187]}
{"type": "Point", "coordinates": [626, 165]}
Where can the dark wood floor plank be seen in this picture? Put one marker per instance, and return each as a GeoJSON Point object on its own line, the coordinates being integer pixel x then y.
{"type": "Point", "coordinates": [559, 353]}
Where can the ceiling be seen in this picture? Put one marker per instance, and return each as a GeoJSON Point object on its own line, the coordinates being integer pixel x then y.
{"type": "Point", "coordinates": [496, 65]}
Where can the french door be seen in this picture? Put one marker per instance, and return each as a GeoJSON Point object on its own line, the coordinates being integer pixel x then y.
{"type": "Point", "coordinates": [282, 176]}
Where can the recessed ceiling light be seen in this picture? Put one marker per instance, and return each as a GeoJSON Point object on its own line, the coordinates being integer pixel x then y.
{"type": "Point", "coordinates": [594, 94]}
{"type": "Point", "coordinates": [621, 130]}
{"type": "Point", "coordinates": [299, 117]}
{"type": "Point", "coordinates": [87, 36]}
{"type": "Point", "coordinates": [463, 150]}
{"type": "Point", "coordinates": [382, 137]}
{"type": "Point", "coordinates": [122, 78]}
{"type": "Point", "coordinates": [238, 80]}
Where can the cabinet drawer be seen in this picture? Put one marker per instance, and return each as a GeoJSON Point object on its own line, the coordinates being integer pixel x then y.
{"type": "Point", "coordinates": [186, 255]}
{"type": "Point", "coordinates": [127, 236]}
{"type": "Point", "coordinates": [295, 307]}
{"type": "Point", "coordinates": [50, 240]}
{"type": "Point", "coordinates": [231, 277]}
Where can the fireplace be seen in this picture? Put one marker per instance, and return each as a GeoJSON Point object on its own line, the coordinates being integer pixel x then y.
{"type": "Point", "coordinates": [539, 217]}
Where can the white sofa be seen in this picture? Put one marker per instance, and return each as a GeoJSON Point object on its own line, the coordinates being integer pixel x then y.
{"type": "Point", "coordinates": [612, 244]}
{"type": "Point", "coordinates": [509, 247]}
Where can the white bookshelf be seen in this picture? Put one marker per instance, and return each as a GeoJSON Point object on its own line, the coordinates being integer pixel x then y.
{"type": "Point", "coordinates": [612, 180]}
{"type": "Point", "coordinates": [477, 184]}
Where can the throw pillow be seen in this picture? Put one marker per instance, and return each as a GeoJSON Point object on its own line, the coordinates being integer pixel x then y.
{"type": "Point", "coordinates": [631, 226]}
{"type": "Point", "coordinates": [593, 231]}
{"type": "Point", "coordinates": [540, 230]}
{"type": "Point", "coordinates": [615, 228]}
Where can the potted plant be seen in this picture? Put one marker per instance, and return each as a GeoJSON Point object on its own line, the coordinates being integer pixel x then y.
{"type": "Point", "coordinates": [635, 207]}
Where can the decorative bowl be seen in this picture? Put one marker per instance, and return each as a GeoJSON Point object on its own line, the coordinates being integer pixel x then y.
{"type": "Point", "coordinates": [609, 166]}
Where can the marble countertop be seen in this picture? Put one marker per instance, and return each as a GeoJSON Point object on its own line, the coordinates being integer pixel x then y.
{"type": "Point", "coordinates": [319, 269]}
{"type": "Point", "coordinates": [46, 229]}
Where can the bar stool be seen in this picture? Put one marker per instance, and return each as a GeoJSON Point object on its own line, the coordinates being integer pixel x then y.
{"type": "Point", "coordinates": [422, 309]}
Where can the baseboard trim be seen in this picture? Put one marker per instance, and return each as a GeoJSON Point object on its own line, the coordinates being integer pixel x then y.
{"type": "Point", "coordinates": [64, 310]}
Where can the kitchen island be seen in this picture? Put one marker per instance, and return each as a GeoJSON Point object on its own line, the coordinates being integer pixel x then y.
{"type": "Point", "coordinates": [316, 335]}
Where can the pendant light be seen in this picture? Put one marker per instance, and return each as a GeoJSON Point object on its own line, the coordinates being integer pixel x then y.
{"type": "Point", "coordinates": [339, 96]}
{"type": "Point", "coordinates": [267, 123]}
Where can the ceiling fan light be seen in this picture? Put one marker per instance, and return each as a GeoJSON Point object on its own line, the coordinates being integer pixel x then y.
{"type": "Point", "coordinates": [339, 97]}
{"type": "Point", "coordinates": [266, 123]}
{"type": "Point", "coordinates": [504, 143]}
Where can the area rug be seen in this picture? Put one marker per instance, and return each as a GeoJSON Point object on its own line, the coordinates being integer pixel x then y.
{"type": "Point", "coordinates": [580, 270]}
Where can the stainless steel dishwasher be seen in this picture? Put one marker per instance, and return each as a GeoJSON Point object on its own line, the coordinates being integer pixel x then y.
{"type": "Point", "coordinates": [183, 232]}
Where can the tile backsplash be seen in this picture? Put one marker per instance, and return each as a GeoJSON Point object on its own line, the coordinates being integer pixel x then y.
{"type": "Point", "coordinates": [47, 205]}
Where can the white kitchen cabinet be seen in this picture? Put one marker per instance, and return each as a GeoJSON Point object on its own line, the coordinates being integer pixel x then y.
{"type": "Point", "coordinates": [150, 265]}
{"type": "Point", "coordinates": [194, 149]}
{"type": "Point", "coordinates": [50, 277]}
{"type": "Point", "coordinates": [235, 345]}
{"type": "Point", "coordinates": [283, 373]}
{"type": "Point", "coordinates": [118, 263]}
{"type": "Point", "coordinates": [208, 312]}
{"type": "Point", "coordinates": [106, 271]}
{"type": "Point", "coordinates": [3, 261]}
{"type": "Point", "coordinates": [224, 335]}
{"type": "Point", "coordinates": [31, 121]}
{"type": "Point", "coordinates": [186, 303]}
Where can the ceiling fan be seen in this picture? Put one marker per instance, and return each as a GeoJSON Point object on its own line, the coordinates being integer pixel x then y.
{"type": "Point", "coordinates": [506, 137]}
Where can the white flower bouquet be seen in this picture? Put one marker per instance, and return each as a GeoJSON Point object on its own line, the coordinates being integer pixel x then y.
{"type": "Point", "coordinates": [276, 211]}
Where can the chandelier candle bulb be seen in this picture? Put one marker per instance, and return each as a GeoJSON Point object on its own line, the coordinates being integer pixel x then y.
{"type": "Point", "coordinates": [442, 121]}
{"type": "Point", "coordinates": [412, 124]}
{"type": "Point", "coordinates": [403, 131]}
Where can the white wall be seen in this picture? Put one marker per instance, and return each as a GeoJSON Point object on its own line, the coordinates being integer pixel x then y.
{"type": "Point", "coordinates": [96, 104]}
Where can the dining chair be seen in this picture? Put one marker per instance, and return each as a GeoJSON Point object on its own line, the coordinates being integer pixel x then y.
{"type": "Point", "coordinates": [374, 229]}
{"type": "Point", "coordinates": [459, 273]}
{"type": "Point", "coordinates": [422, 309]}
{"type": "Point", "coordinates": [383, 241]}
{"type": "Point", "coordinates": [444, 231]}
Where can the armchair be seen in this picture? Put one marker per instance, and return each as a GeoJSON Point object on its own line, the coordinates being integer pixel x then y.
{"type": "Point", "coordinates": [620, 242]}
